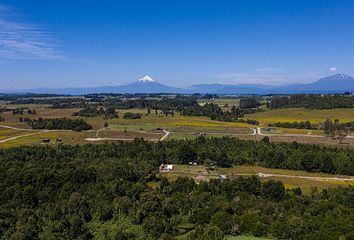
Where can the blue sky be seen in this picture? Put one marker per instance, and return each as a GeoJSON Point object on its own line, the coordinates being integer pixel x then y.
{"type": "Point", "coordinates": [65, 43]}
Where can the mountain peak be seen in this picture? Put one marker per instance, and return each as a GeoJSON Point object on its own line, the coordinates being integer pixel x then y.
{"type": "Point", "coordinates": [339, 76]}
{"type": "Point", "coordinates": [146, 79]}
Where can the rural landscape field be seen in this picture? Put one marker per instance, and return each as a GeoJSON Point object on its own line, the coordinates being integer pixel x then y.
{"type": "Point", "coordinates": [248, 127]}
{"type": "Point", "coordinates": [176, 120]}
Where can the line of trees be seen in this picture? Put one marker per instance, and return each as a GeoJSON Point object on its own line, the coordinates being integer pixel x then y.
{"type": "Point", "coordinates": [295, 124]}
{"type": "Point", "coordinates": [104, 191]}
{"type": "Point", "coordinates": [335, 130]}
{"type": "Point", "coordinates": [130, 115]}
{"type": "Point", "coordinates": [312, 101]}
{"type": "Point", "coordinates": [251, 102]}
{"type": "Point", "coordinates": [214, 112]}
{"type": "Point", "coordinates": [59, 123]}
{"type": "Point", "coordinates": [92, 111]}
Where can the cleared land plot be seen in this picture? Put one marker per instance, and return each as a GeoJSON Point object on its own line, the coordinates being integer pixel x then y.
{"type": "Point", "coordinates": [13, 120]}
{"type": "Point", "coordinates": [302, 114]}
{"type": "Point", "coordinates": [107, 133]}
{"type": "Point", "coordinates": [6, 133]}
{"type": "Point", "coordinates": [221, 101]}
{"type": "Point", "coordinates": [181, 127]}
{"type": "Point", "coordinates": [290, 178]}
{"type": "Point", "coordinates": [68, 137]}
{"type": "Point", "coordinates": [348, 142]}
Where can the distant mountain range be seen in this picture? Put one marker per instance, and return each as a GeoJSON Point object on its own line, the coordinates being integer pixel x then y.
{"type": "Point", "coordinates": [332, 84]}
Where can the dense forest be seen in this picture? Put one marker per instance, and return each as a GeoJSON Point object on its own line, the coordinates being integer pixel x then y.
{"type": "Point", "coordinates": [104, 192]}
{"type": "Point", "coordinates": [130, 115]}
{"type": "Point", "coordinates": [55, 102]}
{"type": "Point", "coordinates": [214, 112]}
{"type": "Point", "coordinates": [59, 123]}
{"type": "Point", "coordinates": [312, 101]}
{"type": "Point", "coordinates": [295, 124]}
{"type": "Point", "coordinates": [177, 103]}
{"type": "Point", "coordinates": [92, 111]}
{"type": "Point", "coordinates": [249, 103]}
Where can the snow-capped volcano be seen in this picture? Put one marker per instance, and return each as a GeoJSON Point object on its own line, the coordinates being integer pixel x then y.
{"type": "Point", "coordinates": [146, 79]}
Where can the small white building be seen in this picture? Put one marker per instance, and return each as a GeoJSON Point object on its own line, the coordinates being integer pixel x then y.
{"type": "Point", "coordinates": [169, 167]}
{"type": "Point", "coordinates": [222, 178]}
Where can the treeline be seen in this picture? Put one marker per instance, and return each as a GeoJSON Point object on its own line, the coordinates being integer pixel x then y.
{"type": "Point", "coordinates": [104, 191]}
{"type": "Point", "coordinates": [251, 102]}
{"type": "Point", "coordinates": [92, 111]}
{"type": "Point", "coordinates": [176, 104]}
{"type": "Point", "coordinates": [59, 123]}
{"type": "Point", "coordinates": [55, 102]}
{"type": "Point", "coordinates": [327, 125]}
{"type": "Point", "coordinates": [130, 115]}
{"type": "Point", "coordinates": [295, 124]}
{"type": "Point", "coordinates": [312, 101]}
{"type": "Point", "coordinates": [15, 96]}
{"type": "Point", "coordinates": [214, 112]}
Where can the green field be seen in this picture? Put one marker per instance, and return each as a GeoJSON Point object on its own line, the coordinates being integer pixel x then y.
{"type": "Point", "coordinates": [290, 178]}
{"type": "Point", "coordinates": [302, 114]}
{"type": "Point", "coordinates": [181, 127]}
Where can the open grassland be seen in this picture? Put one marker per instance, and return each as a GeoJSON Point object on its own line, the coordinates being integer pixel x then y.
{"type": "Point", "coordinates": [8, 133]}
{"type": "Point", "coordinates": [109, 133]}
{"type": "Point", "coordinates": [181, 127]}
{"type": "Point", "coordinates": [68, 137]}
{"type": "Point", "coordinates": [290, 178]}
{"type": "Point", "coordinates": [221, 101]}
{"type": "Point", "coordinates": [348, 142]}
{"type": "Point", "coordinates": [119, 128]}
{"type": "Point", "coordinates": [302, 114]}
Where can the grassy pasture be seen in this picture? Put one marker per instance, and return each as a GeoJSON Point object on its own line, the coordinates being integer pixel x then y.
{"type": "Point", "coordinates": [68, 137]}
{"type": "Point", "coordinates": [290, 180]}
{"type": "Point", "coordinates": [221, 101]}
{"type": "Point", "coordinates": [181, 127]}
{"type": "Point", "coordinates": [144, 127]}
{"type": "Point", "coordinates": [302, 114]}
{"type": "Point", "coordinates": [8, 133]}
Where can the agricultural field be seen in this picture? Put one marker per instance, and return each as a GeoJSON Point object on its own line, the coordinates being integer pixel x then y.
{"type": "Point", "coordinates": [292, 179]}
{"type": "Point", "coordinates": [302, 114]}
{"type": "Point", "coordinates": [118, 128]}
{"type": "Point", "coordinates": [180, 127]}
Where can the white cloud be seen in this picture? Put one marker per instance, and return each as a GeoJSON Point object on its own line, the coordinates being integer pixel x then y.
{"type": "Point", "coordinates": [332, 69]}
{"type": "Point", "coordinates": [20, 40]}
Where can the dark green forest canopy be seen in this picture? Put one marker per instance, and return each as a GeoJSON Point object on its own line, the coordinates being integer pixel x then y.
{"type": "Point", "coordinates": [312, 101]}
{"type": "Point", "coordinates": [59, 123]}
{"type": "Point", "coordinates": [102, 192]}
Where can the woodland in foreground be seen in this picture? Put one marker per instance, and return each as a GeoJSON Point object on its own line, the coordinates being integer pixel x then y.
{"type": "Point", "coordinates": [104, 192]}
